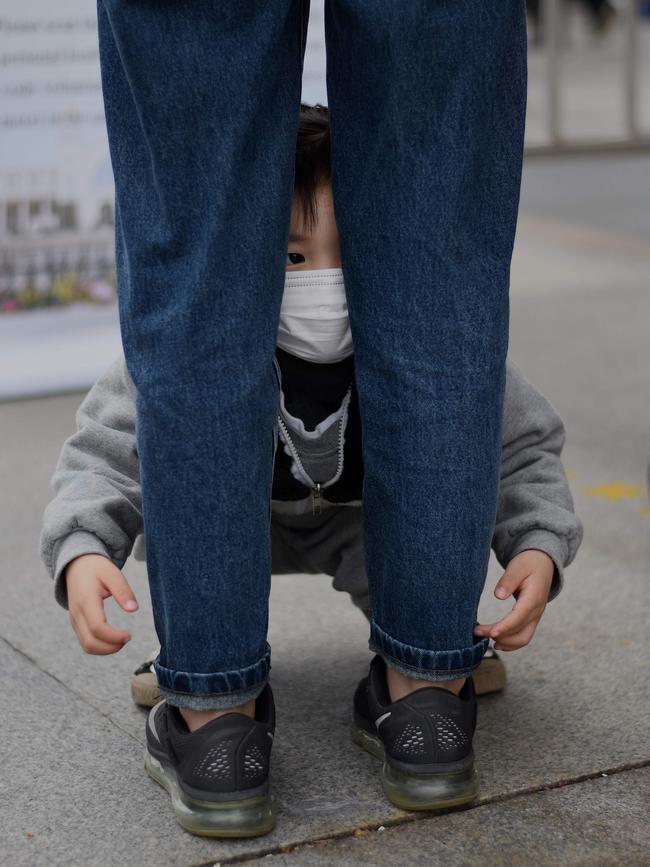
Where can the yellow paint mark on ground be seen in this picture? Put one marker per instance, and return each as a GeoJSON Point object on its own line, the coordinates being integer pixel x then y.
{"type": "Point", "coordinates": [646, 511]}
{"type": "Point", "coordinates": [613, 491]}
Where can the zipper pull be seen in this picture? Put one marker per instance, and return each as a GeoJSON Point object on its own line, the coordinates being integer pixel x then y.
{"type": "Point", "coordinates": [316, 499]}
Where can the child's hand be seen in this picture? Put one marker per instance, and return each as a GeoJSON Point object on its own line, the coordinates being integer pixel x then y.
{"type": "Point", "coordinates": [528, 578]}
{"type": "Point", "coordinates": [90, 578]}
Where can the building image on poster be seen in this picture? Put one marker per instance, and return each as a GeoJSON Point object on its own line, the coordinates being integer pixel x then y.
{"type": "Point", "coordinates": [56, 219]}
{"type": "Point", "coordinates": [58, 305]}
{"type": "Point", "coordinates": [59, 323]}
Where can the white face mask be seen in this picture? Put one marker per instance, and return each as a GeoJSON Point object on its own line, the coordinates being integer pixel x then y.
{"type": "Point", "coordinates": [314, 322]}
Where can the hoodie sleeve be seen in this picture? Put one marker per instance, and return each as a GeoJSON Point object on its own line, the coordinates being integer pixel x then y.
{"type": "Point", "coordinates": [97, 507]}
{"type": "Point", "coordinates": [535, 506]}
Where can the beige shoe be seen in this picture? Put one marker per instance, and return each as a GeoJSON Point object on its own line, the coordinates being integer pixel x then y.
{"type": "Point", "coordinates": [144, 683]}
{"type": "Point", "coordinates": [490, 676]}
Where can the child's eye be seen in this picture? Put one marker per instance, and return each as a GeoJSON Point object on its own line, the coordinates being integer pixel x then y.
{"type": "Point", "coordinates": [292, 261]}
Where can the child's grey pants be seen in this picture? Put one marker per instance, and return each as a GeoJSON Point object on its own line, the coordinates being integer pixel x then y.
{"type": "Point", "coordinates": [329, 543]}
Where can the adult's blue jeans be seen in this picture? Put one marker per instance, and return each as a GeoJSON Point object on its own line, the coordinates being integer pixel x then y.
{"type": "Point", "coordinates": [427, 108]}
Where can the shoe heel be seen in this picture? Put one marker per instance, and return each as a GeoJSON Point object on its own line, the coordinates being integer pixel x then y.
{"type": "Point", "coordinates": [419, 791]}
{"type": "Point", "coordinates": [250, 817]}
{"type": "Point", "coordinates": [429, 791]}
{"type": "Point", "coordinates": [366, 741]}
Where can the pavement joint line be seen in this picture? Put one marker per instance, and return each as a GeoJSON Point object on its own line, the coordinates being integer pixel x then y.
{"type": "Point", "coordinates": [591, 147]}
{"type": "Point", "coordinates": [420, 816]}
{"type": "Point", "coordinates": [577, 235]}
{"type": "Point", "coordinates": [71, 690]}
{"type": "Point", "coordinates": [44, 395]}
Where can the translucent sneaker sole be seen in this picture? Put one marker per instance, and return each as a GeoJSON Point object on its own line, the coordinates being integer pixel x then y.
{"type": "Point", "coordinates": [419, 791]}
{"type": "Point", "coordinates": [249, 817]}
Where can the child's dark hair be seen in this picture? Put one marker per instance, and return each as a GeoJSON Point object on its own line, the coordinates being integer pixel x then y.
{"type": "Point", "coordinates": [312, 158]}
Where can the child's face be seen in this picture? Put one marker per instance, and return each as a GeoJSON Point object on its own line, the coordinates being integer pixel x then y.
{"type": "Point", "coordinates": [320, 248]}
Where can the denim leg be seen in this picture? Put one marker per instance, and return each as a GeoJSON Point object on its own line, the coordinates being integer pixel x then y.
{"type": "Point", "coordinates": [427, 109]}
{"type": "Point", "coordinates": [202, 103]}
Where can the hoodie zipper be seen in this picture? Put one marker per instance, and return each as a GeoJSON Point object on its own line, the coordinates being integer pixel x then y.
{"type": "Point", "coordinates": [317, 487]}
{"type": "Point", "coordinates": [275, 436]}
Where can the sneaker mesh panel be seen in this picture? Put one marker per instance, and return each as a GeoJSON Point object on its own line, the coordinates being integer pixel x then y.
{"type": "Point", "coordinates": [254, 764]}
{"type": "Point", "coordinates": [449, 735]}
{"type": "Point", "coordinates": [410, 740]}
{"type": "Point", "coordinates": [215, 764]}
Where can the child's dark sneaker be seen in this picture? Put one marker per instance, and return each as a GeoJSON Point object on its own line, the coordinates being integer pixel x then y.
{"type": "Point", "coordinates": [424, 739]}
{"type": "Point", "coordinates": [218, 775]}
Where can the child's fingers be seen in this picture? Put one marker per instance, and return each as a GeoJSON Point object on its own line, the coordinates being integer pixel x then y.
{"type": "Point", "coordinates": [95, 619]}
{"type": "Point", "coordinates": [87, 640]}
{"type": "Point", "coordinates": [518, 639]}
{"type": "Point", "coordinates": [119, 588]}
{"type": "Point", "coordinates": [509, 581]}
{"type": "Point", "coordinates": [528, 605]}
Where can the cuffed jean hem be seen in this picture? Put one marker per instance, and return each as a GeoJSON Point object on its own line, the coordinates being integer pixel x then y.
{"type": "Point", "coordinates": [213, 691]}
{"type": "Point", "coordinates": [426, 664]}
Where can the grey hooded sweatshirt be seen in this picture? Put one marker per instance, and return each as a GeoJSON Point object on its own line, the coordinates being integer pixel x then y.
{"type": "Point", "coordinates": [97, 507]}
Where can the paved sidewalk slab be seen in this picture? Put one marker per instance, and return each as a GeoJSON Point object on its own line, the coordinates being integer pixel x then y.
{"type": "Point", "coordinates": [600, 822]}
